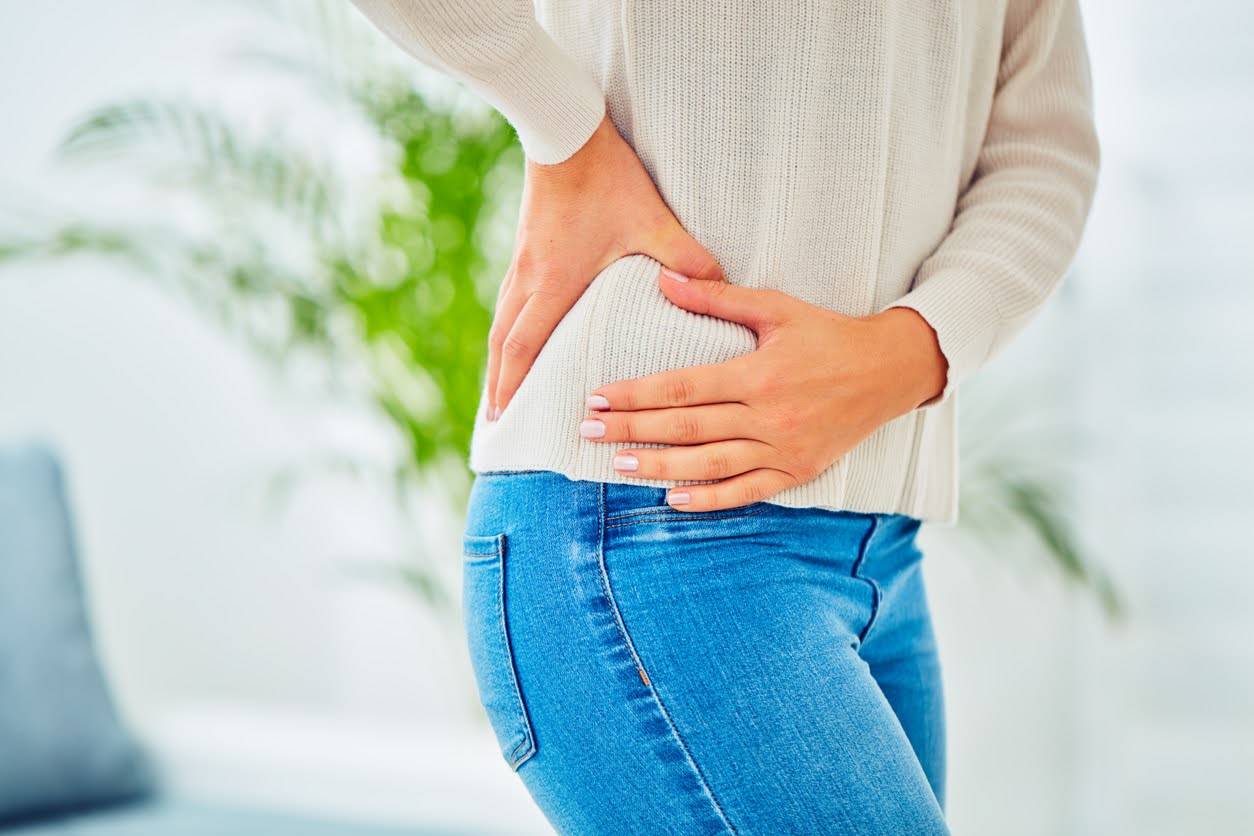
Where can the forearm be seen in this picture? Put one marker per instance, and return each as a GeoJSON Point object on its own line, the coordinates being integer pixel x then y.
{"type": "Point", "coordinates": [1018, 224]}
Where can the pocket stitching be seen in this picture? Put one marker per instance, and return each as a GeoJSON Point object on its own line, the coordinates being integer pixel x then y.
{"type": "Point", "coordinates": [516, 758]}
{"type": "Point", "coordinates": [524, 748]}
{"type": "Point", "coordinates": [471, 543]}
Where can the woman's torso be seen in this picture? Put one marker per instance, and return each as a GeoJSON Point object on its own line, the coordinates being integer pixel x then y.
{"type": "Point", "coordinates": [819, 150]}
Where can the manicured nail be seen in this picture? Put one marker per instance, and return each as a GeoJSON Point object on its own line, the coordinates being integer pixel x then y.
{"type": "Point", "coordinates": [598, 402]}
{"type": "Point", "coordinates": [678, 498]}
{"type": "Point", "coordinates": [491, 413]}
{"type": "Point", "coordinates": [671, 274]}
{"type": "Point", "coordinates": [496, 416]}
{"type": "Point", "coordinates": [626, 462]}
{"type": "Point", "coordinates": [592, 428]}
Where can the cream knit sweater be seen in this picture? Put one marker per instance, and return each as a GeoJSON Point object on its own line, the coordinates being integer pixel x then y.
{"type": "Point", "coordinates": [858, 155]}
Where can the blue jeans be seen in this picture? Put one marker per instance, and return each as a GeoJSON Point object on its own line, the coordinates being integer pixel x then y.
{"type": "Point", "coordinates": [761, 670]}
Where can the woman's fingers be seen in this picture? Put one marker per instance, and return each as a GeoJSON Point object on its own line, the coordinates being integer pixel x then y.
{"type": "Point", "coordinates": [756, 308]}
{"type": "Point", "coordinates": [738, 491]}
{"type": "Point", "coordinates": [718, 460]}
{"type": "Point", "coordinates": [508, 304]}
{"type": "Point", "coordinates": [689, 425]}
{"type": "Point", "coordinates": [538, 317]}
{"type": "Point", "coordinates": [716, 383]}
{"type": "Point", "coordinates": [667, 241]}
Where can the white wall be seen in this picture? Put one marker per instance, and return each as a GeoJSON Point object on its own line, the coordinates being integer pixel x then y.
{"type": "Point", "coordinates": [1169, 383]}
{"type": "Point", "coordinates": [174, 434]}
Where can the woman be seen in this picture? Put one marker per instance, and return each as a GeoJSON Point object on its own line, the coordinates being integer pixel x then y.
{"type": "Point", "coordinates": [693, 594]}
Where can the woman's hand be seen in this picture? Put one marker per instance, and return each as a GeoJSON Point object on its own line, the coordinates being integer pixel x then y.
{"type": "Point", "coordinates": [577, 218]}
{"type": "Point", "coordinates": [818, 383]}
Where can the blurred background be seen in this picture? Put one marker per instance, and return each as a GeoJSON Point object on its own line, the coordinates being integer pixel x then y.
{"type": "Point", "coordinates": [247, 257]}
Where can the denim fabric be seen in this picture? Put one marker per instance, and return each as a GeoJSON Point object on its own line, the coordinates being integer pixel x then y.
{"type": "Point", "coordinates": [761, 670]}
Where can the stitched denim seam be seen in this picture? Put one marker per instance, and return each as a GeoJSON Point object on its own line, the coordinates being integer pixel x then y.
{"type": "Point", "coordinates": [651, 509]}
{"type": "Point", "coordinates": [515, 757]}
{"type": "Point", "coordinates": [608, 591]}
{"type": "Point", "coordinates": [644, 515]}
{"type": "Point", "coordinates": [863, 548]}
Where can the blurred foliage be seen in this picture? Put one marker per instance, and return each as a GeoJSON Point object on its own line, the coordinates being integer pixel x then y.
{"type": "Point", "coordinates": [253, 226]}
{"type": "Point", "coordinates": [1018, 475]}
{"type": "Point", "coordinates": [259, 234]}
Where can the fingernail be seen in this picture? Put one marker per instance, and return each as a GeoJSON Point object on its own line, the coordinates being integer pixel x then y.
{"type": "Point", "coordinates": [625, 462]}
{"type": "Point", "coordinates": [491, 413]}
{"type": "Point", "coordinates": [598, 402]}
{"type": "Point", "coordinates": [678, 498]}
{"type": "Point", "coordinates": [592, 428]}
{"type": "Point", "coordinates": [671, 274]}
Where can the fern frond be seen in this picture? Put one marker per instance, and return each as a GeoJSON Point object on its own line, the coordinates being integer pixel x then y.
{"type": "Point", "coordinates": [1015, 478]}
{"type": "Point", "coordinates": [207, 149]}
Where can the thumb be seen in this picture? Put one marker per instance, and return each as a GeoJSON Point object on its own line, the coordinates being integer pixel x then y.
{"type": "Point", "coordinates": [676, 249]}
{"type": "Point", "coordinates": [758, 309]}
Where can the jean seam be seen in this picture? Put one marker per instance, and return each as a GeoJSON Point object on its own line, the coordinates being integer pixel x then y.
{"type": "Point", "coordinates": [647, 683]}
{"type": "Point", "coordinates": [525, 748]}
{"type": "Point", "coordinates": [644, 516]}
{"type": "Point", "coordinates": [662, 507]}
{"type": "Point", "coordinates": [876, 593]}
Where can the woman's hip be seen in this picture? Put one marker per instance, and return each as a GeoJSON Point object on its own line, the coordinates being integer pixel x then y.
{"type": "Point", "coordinates": [689, 672]}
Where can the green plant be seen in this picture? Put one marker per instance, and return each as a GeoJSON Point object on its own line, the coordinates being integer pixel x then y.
{"type": "Point", "coordinates": [395, 296]}
{"type": "Point", "coordinates": [397, 299]}
{"type": "Point", "coordinates": [1017, 476]}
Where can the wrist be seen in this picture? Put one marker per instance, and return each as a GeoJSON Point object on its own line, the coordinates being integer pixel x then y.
{"type": "Point", "coordinates": [587, 158]}
{"type": "Point", "coordinates": [916, 356]}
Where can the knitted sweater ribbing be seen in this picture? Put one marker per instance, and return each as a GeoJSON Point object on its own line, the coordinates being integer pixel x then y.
{"type": "Point", "coordinates": [856, 155]}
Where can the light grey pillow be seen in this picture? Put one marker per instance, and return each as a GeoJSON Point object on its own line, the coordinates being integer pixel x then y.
{"type": "Point", "coordinates": [62, 745]}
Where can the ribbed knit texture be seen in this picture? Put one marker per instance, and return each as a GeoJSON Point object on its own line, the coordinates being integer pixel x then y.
{"type": "Point", "coordinates": [856, 155]}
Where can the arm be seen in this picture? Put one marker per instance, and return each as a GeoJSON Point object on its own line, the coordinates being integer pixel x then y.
{"type": "Point", "coordinates": [1019, 222]}
{"type": "Point", "coordinates": [817, 384]}
{"type": "Point", "coordinates": [587, 199]}
{"type": "Point", "coordinates": [499, 50]}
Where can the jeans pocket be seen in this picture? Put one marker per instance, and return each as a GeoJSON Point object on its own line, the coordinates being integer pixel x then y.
{"type": "Point", "coordinates": [491, 653]}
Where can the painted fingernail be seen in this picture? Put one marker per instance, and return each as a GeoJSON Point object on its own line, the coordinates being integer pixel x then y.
{"type": "Point", "coordinates": [592, 428]}
{"type": "Point", "coordinates": [626, 462]}
{"type": "Point", "coordinates": [671, 274]}
{"type": "Point", "coordinates": [678, 498]}
{"type": "Point", "coordinates": [490, 414]}
{"type": "Point", "coordinates": [598, 402]}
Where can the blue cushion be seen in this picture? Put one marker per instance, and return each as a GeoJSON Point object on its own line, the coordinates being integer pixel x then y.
{"type": "Point", "coordinates": [61, 742]}
{"type": "Point", "coordinates": [183, 819]}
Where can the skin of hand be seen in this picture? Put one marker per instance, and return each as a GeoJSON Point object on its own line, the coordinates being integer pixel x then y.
{"type": "Point", "coordinates": [577, 217]}
{"type": "Point", "coordinates": [818, 383]}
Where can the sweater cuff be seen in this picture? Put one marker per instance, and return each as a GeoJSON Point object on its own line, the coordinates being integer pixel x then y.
{"type": "Point", "coordinates": [961, 310]}
{"type": "Point", "coordinates": [552, 102]}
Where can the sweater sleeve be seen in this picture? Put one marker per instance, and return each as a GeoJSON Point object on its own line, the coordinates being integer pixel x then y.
{"type": "Point", "coordinates": [1018, 224]}
{"type": "Point", "coordinates": [499, 49]}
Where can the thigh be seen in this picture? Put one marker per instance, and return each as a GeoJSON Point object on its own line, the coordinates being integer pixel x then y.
{"type": "Point", "coordinates": [900, 647]}
{"type": "Point", "coordinates": [555, 673]}
{"type": "Point", "coordinates": [745, 629]}
{"type": "Point", "coordinates": [649, 671]}
{"type": "Point", "coordinates": [912, 686]}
